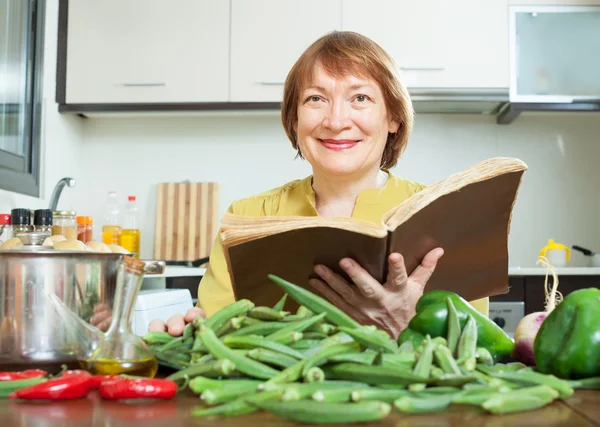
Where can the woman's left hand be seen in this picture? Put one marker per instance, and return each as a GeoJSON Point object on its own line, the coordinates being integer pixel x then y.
{"type": "Point", "coordinates": [390, 305]}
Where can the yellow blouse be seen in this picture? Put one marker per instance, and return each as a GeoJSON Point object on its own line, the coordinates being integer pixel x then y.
{"type": "Point", "coordinates": [298, 198]}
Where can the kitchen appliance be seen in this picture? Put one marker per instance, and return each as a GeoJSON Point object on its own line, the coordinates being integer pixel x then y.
{"type": "Point", "coordinates": [594, 257]}
{"type": "Point", "coordinates": [159, 304]}
{"type": "Point", "coordinates": [186, 220]}
{"type": "Point", "coordinates": [31, 329]}
{"type": "Point", "coordinates": [507, 314]}
{"type": "Point", "coordinates": [557, 254]}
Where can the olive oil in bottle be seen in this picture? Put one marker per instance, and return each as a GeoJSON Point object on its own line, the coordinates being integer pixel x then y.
{"type": "Point", "coordinates": [121, 351]}
{"type": "Point", "coordinates": [139, 368]}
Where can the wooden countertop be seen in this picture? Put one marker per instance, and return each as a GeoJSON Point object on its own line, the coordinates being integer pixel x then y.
{"type": "Point", "coordinates": [581, 409]}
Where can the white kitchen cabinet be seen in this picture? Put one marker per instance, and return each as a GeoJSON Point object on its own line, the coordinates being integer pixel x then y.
{"type": "Point", "coordinates": [438, 43]}
{"type": "Point", "coordinates": [147, 51]}
{"type": "Point", "coordinates": [268, 36]}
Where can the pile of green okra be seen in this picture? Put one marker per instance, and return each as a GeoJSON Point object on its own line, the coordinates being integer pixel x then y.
{"type": "Point", "coordinates": [320, 366]}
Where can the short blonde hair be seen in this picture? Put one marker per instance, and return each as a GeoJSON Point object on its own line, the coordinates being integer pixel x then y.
{"type": "Point", "coordinates": [345, 52]}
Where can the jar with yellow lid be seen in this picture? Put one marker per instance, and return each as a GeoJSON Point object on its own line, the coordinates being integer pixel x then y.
{"type": "Point", "coordinates": [64, 223]}
{"type": "Point", "coordinates": [557, 254]}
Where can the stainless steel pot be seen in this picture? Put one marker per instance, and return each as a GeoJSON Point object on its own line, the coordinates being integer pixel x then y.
{"type": "Point", "coordinates": [32, 332]}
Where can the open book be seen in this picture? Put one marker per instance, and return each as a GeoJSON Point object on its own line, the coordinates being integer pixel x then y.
{"type": "Point", "coordinates": [468, 214]}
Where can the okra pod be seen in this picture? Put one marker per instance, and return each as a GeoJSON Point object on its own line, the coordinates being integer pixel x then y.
{"type": "Point", "coordinates": [304, 411]}
{"type": "Point", "coordinates": [238, 308]}
{"type": "Point", "coordinates": [241, 406]}
{"type": "Point", "coordinates": [313, 335]}
{"type": "Point", "coordinates": [444, 359]}
{"type": "Point", "coordinates": [507, 403]}
{"type": "Point", "coordinates": [298, 326]}
{"type": "Point", "coordinates": [242, 363]}
{"type": "Point", "coordinates": [303, 311]}
{"type": "Point", "coordinates": [315, 303]}
{"type": "Point", "coordinates": [453, 380]}
{"type": "Point", "coordinates": [436, 372]}
{"type": "Point", "coordinates": [304, 344]}
{"type": "Point", "coordinates": [215, 368]}
{"type": "Point", "coordinates": [376, 375]}
{"type": "Point", "coordinates": [587, 383]}
{"type": "Point", "coordinates": [158, 337]}
{"type": "Point", "coordinates": [200, 358]}
{"type": "Point", "coordinates": [271, 357]}
{"type": "Point", "coordinates": [371, 340]}
{"type": "Point", "coordinates": [288, 375]}
{"type": "Point", "coordinates": [454, 332]}
{"type": "Point", "coordinates": [423, 366]}
{"type": "Point", "coordinates": [363, 358]}
{"type": "Point", "coordinates": [227, 393]}
{"type": "Point", "coordinates": [261, 328]}
{"type": "Point", "coordinates": [188, 331]}
{"type": "Point", "coordinates": [333, 395]}
{"type": "Point", "coordinates": [406, 347]}
{"type": "Point", "coordinates": [535, 378]}
{"type": "Point", "coordinates": [314, 375]}
{"type": "Point", "coordinates": [281, 303]}
{"type": "Point", "coordinates": [231, 325]}
{"type": "Point", "coordinates": [299, 391]}
{"type": "Point", "coordinates": [422, 405]}
{"type": "Point", "coordinates": [483, 356]}
{"type": "Point", "coordinates": [439, 341]}
{"type": "Point", "coordinates": [265, 313]}
{"type": "Point", "coordinates": [388, 395]}
{"type": "Point", "coordinates": [467, 345]}
{"type": "Point", "coordinates": [254, 341]}
{"type": "Point", "coordinates": [288, 339]}
{"type": "Point", "coordinates": [327, 352]}
{"type": "Point", "coordinates": [200, 384]}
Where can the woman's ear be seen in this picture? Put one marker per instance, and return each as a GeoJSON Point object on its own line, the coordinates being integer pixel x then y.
{"type": "Point", "coordinates": [393, 126]}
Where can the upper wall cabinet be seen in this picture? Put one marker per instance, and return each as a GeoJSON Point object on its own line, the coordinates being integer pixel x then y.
{"type": "Point", "coordinates": [438, 43]}
{"type": "Point", "coordinates": [144, 51]}
{"type": "Point", "coordinates": [268, 36]}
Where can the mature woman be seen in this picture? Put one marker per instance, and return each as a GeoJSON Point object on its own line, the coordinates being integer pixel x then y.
{"type": "Point", "coordinates": [347, 112]}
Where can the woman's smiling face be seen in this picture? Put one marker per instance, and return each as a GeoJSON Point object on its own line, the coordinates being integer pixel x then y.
{"type": "Point", "coordinates": [343, 124]}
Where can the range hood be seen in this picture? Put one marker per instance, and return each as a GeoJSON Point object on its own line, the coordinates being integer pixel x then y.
{"type": "Point", "coordinates": [458, 100]}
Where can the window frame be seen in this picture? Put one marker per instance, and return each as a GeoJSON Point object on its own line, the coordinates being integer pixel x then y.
{"type": "Point", "coordinates": [21, 174]}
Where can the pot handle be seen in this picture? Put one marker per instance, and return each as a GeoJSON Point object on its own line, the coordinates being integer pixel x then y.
{"type": "Point", "coordinates": [584, 250]}
{"type": "Point", "coordinates": [154, 267]}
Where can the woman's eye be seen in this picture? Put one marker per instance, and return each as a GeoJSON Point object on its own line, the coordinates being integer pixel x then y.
{"type": "Point", "coordinates": [362, 98]}
{"type": "Point", "coordinates": [314, 98]}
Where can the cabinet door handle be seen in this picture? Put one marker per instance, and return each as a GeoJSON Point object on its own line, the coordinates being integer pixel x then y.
{"type": "Point", "coordinates": [271, 83]}
{"type": "Point", "coordinates": [142, 84]}
{"type": "Point", "coordinates": [423, 68]}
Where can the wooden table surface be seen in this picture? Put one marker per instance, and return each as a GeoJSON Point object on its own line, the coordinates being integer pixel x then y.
{"type": "Point", "coordinates": [581, 409]}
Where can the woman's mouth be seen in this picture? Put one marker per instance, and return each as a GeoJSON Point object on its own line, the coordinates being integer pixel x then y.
{"type": "Point", "coordinates": [339, 144]}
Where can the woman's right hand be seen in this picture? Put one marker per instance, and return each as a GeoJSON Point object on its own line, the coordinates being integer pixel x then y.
{"type": "Point", "coordinates": [176, 322]}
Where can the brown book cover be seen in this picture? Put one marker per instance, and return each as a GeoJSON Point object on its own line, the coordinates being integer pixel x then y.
{"type": "Point", "coordinates": [468, 214]}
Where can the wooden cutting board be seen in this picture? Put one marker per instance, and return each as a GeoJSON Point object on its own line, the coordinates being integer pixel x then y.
{"type": "Point", "coordinates": [186, 220]}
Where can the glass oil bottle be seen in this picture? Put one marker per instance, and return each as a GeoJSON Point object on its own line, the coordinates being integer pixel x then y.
{"type": "Point", "coordinates": [121, 351]}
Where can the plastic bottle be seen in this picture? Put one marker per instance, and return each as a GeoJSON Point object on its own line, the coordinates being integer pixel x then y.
{"type": "Point", "coordinates": [130, 235]}
{"type": "Point", "coordinates": [111, 226]}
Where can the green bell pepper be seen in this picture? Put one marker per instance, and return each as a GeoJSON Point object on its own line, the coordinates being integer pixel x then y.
{"type": "Point", "coordinates": [432, 318]}
{"type": "Point", "coordinates": [567, 344]}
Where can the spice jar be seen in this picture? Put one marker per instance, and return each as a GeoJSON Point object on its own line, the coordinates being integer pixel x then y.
{"type": "Point", "coordinates": [5, 228]}
{"type": "Point", "coordinates": [65, 224]}
{"type": "Point", "coordinates": [84, 228]}
{"type": "Point", "coordinates": [42, 221]}
{"type": "Point", "coordinates": [20, 220]}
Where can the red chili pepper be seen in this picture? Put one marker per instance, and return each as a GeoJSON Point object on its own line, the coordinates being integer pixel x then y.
{"type": "Point", "coordinates": [97, 380]}
{"type": "Point", "coordinates": [61, 388]}
{"type": "Point", "coordinates": [75, 372]}
{"type": "Point", "coordinates": [128, 388]}
{"type": "Point", "coordinates": [22, 375]}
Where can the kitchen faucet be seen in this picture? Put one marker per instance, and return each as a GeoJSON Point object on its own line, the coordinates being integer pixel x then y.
{"type": "Point", "coordinates": [58, 189]}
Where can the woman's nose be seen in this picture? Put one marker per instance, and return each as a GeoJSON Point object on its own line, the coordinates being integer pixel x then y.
{"type": "Point", "coordinates": [337, 117]}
